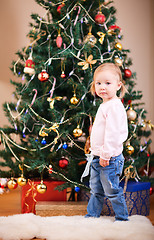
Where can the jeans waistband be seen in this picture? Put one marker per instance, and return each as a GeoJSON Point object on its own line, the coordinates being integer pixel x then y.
{"type": "Point", "coordinates": [96, 157]}
{"type": "Point", "coordinates": [112, 158]}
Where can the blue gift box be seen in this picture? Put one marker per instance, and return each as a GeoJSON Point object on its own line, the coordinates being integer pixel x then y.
{"type": "Point", "coordinates": [134, 186]}
{"type": "Point", "coordinates": [137, 199]}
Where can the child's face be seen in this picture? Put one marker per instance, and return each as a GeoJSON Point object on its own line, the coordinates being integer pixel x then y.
{"type": "Point", "coordinates": [107, 84]}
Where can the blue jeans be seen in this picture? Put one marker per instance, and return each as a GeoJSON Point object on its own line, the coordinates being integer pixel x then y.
{"type": "Point", "coordinates": [104, 181]}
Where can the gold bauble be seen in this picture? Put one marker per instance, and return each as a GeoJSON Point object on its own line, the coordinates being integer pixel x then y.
{"type": "Point", "coordinates": [129, 149]}
{"type": "Point", "coordinates": [22, 181]}
{"type": "Point", "coordinates": [12, 184]}
{"type": "Point", "coordinates": [90, 39]}
{"type": "Point", "coordinates": [41, 188]}
{"type": "Point", "coordinates": [77, 132]}
{"type": "Point", "coordinates": [74, 100]}
{"type": "Point", "coordinates": [118, 46]}
{"type": "Point", "coordinates": [131, 114]}
{"type": "Point", "coordinates": [118, 61]}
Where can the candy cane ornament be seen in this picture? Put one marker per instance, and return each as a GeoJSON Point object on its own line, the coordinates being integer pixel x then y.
{"type": "Point", "coordinates": [77, 15]}
{"type": "Point", "coordinates": [53, 87]}
{"type": "Point", "coordinates": [33, 100]}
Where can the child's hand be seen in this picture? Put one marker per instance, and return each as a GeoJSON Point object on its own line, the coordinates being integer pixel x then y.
{"type": "Point", "coordinates": [103, 162]}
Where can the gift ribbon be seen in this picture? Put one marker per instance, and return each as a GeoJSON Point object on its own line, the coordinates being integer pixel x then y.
{"type": "Point", "coordinates": [33, 192]}
{"type": "Point", "coordinates": [89, 158]}
{"type": "Point", "coordinates": [129, 172]}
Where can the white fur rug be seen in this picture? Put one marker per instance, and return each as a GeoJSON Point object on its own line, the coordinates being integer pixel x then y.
{"type": "Point", "coordinates": [28, 226]}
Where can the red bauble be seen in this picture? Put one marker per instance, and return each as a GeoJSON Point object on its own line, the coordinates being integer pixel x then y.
{"type": "Point", "coordinates": [50, 169]}
{"type": "Point", "coordinates": [43, 76]}
{"type": "Point", "coordinates": [151, 190]}
{"type": "Point", "coordinates": [59, 41]}
{"type": "Point", "coordinates": [63, 75]}
{"type": "Point", "coordinates": [59, 8]}
{"type": "Point", "coordinates": [29, 66]}
{"type": "Point", "coordinates": [100, 18]}
{"type": "Point", "coordinates": [127, 73]}
{"type": "Point", "coordinates": [63, 163]}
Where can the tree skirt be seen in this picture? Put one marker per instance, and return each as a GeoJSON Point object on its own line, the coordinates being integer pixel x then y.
{"type": "Point", "coordinates": [28, 226]}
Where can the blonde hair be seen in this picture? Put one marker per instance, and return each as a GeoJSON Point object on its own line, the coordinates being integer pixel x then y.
{"type": "Point", "coordinates": [112, 67]}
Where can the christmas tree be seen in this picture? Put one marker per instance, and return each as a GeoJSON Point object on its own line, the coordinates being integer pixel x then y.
{"type": "Point", "coordinates": [53, 112]}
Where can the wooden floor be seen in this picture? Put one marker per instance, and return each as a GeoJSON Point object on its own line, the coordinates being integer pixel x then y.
{"type": "Point", "coordinates": [10, 203]}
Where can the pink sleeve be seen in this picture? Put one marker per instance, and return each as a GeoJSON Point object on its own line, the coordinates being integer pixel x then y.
{"type": "Point", "coordinates": [116, 131]}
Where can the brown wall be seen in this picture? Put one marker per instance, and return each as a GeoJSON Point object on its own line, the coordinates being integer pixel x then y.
{"type": "Point", "coordinates": [135, 17]}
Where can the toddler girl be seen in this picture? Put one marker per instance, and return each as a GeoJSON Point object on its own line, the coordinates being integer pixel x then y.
{"type": "Point", "coordinates": [108, 133]}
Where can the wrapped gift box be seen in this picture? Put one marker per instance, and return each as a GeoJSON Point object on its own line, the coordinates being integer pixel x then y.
{"type": "Point", "coordinates": [72, 208]}
{"type": "Point", "coordinates": [137, 199]}
{"type": "Point", "coordinates": [30, 196]}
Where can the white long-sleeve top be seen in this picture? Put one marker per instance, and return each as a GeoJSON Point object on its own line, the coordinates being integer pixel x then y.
{"type": "Point", "coordinates": [110, 129]}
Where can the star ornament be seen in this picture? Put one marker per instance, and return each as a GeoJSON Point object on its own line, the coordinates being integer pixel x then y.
{"type": "Point", "coordinates": [88, 62]}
